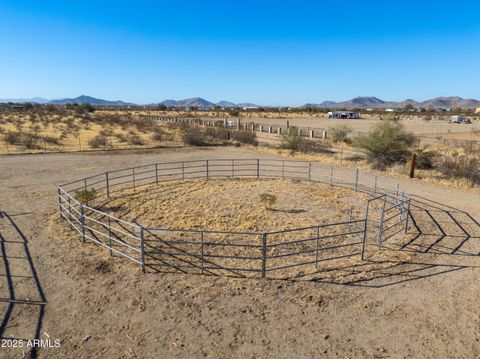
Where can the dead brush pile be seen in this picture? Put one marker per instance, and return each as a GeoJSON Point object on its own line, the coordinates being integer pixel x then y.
{"type": "Point", "coordinates": [461, 165]}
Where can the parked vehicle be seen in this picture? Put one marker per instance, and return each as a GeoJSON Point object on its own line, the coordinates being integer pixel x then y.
{"type": "Point", "coordinates": [459, 119]}
{"type": "Point", "coordinates": [347, 115]}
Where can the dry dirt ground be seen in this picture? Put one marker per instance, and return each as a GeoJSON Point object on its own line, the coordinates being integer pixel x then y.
{"type": "Point", "coordinates": [54, 287]}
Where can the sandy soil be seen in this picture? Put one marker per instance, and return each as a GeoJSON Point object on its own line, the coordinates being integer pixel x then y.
{"type": "Point", "coordinates": [99, 306]}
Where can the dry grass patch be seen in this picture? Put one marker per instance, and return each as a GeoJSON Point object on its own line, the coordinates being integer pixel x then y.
{"type": "Point", "coordinates": [235, 204]}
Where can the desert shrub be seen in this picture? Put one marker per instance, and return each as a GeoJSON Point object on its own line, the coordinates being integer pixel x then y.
{"type": "Point", "coordinates": [222, 133]}
{"type": "Point", "coordinates": [209, 132]}
{"type": "Point", "coordinates": [192, 135]}
{"type": "Point", "coordinates": [13, 137]}
{"type": "Point", "coordinates": [145, 126]}
{"type": "Point", "coordinates": [135, 139]}
{"type": "Point", "coordinates": [386, 144]}
{"type": "Point", "coordinates": [246, 137]}
{"type": "Point", "coordinates": [106, 132]}
{"type": "Point", "coordinates": [313, 146]}
{"type": "Point", "coordinates": [51, 140]}
{"type": "Point", "coordinates": [424, 160]}
{"type": "Point", "coordinates": [340, 133]}
{"type": "Point", "coordinates": [216, 133]}
{"type": "Point", "coordinates": [467, 167]}
{"type": "Point", "coordinates": [268, 200]}
{"type": "Point", "coordinates": [29, 139]}
{"type": "Point", "coordinates": [84, 108]}
{"type": "Point", "coordinates": [85, 195]}
{"type": "Point", "coordinates": [98, 141]}
{"type": "Point", "coordinates": [121, 137]}
{"type": "Point", "coordinates": [157, 136]}
{"type": "Point", "coordinates": [291, 140]}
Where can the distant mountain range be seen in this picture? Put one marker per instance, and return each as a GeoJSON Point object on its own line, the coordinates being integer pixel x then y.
{"type": "Point", "coordinates": [202, 103]}
{"type": "Point", "coordinates": [189, 102]}
{"type": "Point", "coordinates": [374, 102]}
{"type": "Point", "coordinates": [25, 100]}
{"type": "Point", "coordinates": [357, 102]}
{"type": "Point", "coordinates": [91, 100]}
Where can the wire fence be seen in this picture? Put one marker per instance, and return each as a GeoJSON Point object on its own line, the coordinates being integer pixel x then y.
{"type": "Point", "coordinates": [273, 254]}
{"type": "Point", "coordinates": [427, 128]}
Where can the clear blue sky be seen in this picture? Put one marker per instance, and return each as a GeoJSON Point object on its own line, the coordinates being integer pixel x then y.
{"type": "Point", "coordinates": [267, 52]}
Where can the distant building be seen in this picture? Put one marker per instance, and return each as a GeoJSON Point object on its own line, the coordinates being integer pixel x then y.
{"type": "Point", "coordinates": [347, 115]}
{"type": "Point", "coordinates": [477, 110]}
{"type": "Point", "coordinates": [250, 108]}
{"type": "Point", "coordinates": [389, 110]}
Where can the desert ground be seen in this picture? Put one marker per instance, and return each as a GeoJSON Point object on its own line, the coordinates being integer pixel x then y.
{"type": "Point", "coordinates": [68, 131]}
{"type": "Point", "coordinates": [55, 287]}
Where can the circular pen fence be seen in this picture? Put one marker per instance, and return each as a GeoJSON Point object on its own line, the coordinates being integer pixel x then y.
{"type": "Point", "coordinates": [274, 254]}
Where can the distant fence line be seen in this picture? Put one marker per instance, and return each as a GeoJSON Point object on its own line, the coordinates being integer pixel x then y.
{"type": "Point", "coordinates": [240, 124]}
{"type": "Point", "coordinates": [470, 145]}
{"type": "Point", "coordinates": [276, 254]}
{"type": "Point", "coordinates": [431, 127]}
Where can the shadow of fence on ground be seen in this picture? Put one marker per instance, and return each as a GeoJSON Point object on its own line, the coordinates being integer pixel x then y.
{"type": "Point", "coordinates": [22, 300]}
{"type": "Point", "coordinates": [439, 229]}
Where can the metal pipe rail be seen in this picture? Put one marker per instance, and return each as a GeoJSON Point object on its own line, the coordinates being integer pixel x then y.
{"type": "Point", "coordinates": [215, 252]}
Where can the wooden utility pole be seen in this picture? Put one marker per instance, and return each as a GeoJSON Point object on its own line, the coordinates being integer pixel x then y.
{"type": "Point", "coordinates": [412, 165]}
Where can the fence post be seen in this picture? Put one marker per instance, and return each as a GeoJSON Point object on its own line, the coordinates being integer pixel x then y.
{"type": "Point", "coordinates": [318, 245]}
{"type": "Point", "coordinates": [258, 168]}
{"type": "Point", "coordinates": [82, 222]}
{"type": "Point", "coordinates": [156, 173]}
{"type": "Point", "coordinates": [69, 210]}
{"type": "Point", "coordinates": [356, 180]}
{"type": "Point", "coordinates": [183, 171]}
{"type": "Point", "coordinates": [408, 214]}
{"type": "Point", "coordinates": [283, 168]}
{"type": "Point", "coordinates": [86, 192]}
{"type": "Point", "coordinates": [233, 168]}
{"type": "Point", "coordinates": [110, 234]}
{"type": "Point", "coordinates": [142, 248]}
{"type": "Point", "coordinates": [380, 225]}
{"type": "Point", "coordinates": [133, 177]}
{"type": "Point", "coordinates": [365, 229]}
{"type": "Point", "coordinates": [375, 184]}
{"type": "Point", "coordinates": [59, 201]}
{"type": "Point", "coordinates": [206, 168]}
{"type": "Point", "coordinates": [309, 171]}
{"type": "Point", "coordinates": [264, 255]}
{"type": "Point", "coordinates": [107, 183]}
{"type": "Point", "coordinates": [202, 249]}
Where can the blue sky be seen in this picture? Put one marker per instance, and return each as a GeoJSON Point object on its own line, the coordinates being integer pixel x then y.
{"type": "Point", "coordinates": [267, 52]}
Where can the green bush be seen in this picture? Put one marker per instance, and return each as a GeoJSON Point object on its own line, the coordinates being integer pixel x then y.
{"type": "Point", "coordinates": [340, 133]}
{"type": "Point", "coordinates": [291, 140]}
{"type": "Point", "coordinates": [85, 196]}
{"type": "Point", "coordinates": [386, 144]}
{"type": "Point", "coordinates": [268, 200]}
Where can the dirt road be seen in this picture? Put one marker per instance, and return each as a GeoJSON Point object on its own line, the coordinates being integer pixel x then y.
{"type": "Point", "coordinates": [53, 287]}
